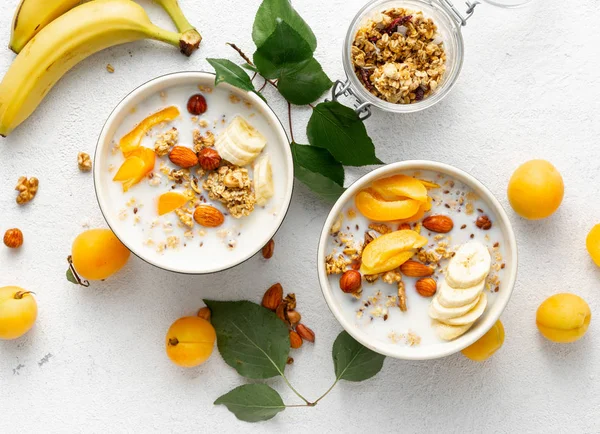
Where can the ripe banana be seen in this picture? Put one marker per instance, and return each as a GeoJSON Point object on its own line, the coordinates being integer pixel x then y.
{"type": "Point", "coordinates": [240, 143]}
{"type": "Point", "coordinates": [263, 180]}
{"type": "Point", "coordinates": [449, 332]}
{"type": "Point", "coordinates": [190, 34]}
{"type": "Point", "coordinates": [63, 43]}
{"type": "Point", "coordinates": [32, 16]}
{"type": "Point", "coordinates": [469, 266]}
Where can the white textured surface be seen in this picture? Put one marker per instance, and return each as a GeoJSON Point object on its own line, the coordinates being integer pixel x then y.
{"type": "Point", "coordinates": [529, 89]}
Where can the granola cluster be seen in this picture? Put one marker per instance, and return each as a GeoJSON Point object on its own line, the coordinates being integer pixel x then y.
{"type": "Point", "coordinates": [232, 186]}
{"type": "Point", "coordinates": [398, 56]}
{"type": "Point", "coordinates": [203, 141]}
{"type": "Point", "coordinates": [165, 142]}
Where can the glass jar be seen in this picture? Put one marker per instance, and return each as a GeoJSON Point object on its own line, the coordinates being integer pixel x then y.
{"type": "Point", "coordinates": [449, 21]}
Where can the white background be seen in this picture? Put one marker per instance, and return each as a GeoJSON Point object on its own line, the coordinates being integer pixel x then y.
{"type": "Point", "coordinates": [529, 89]}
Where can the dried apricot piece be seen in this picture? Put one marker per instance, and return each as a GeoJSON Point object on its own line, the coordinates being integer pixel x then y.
{"type": "Point", "coordinates": [146, 154]}
{"type": "Point", "coordinates": [429, 185]}
{"type": "Point", "coordinates": [169, 202]}
{"type": "Point", "coordinates": [375, 208]}
{"type": "Point", "coordinates": [389, 245]}
{"type": "Point", "coordinates": [420, 214]}
{"type": "Point", "coordinates": [130, 169]}
{"type": "Point", "coordinates": [140, 162]}
{"type": "Point", "coordinates": [391, 264]}
{"type": "Point", "coordinates": [398, 187]}
{"type": "Point", "coordinates": [131, 141]}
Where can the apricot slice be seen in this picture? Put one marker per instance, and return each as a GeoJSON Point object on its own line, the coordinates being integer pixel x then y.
{"type": "Point", "coordinates": [380, 250]}
{"type": "Point", "coordinates": [133, 139]}
{"type": "Point", "coordinates": [169, 202]}
{"type": "Point", "coordinates": [130, 169]}
{"type": "Point", "coordinates": [400, 186]}
{"type": "Point", "coordinates": [140, 162]}
{"type": "Point", "coordinates": [146, 154]}
{"type": "Point", "coordinates": [429, 185]}
{"type": "Point", "coordinates": [375, 208]}
{"type": "Point", "coordinates": [391, 264]}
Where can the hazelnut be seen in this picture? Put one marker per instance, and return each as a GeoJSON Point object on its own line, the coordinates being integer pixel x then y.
{"type": "Point", "coordinates": [484, 222]}
{"type": "Point", "coordinates": [209, 159]}
{"type": "Point", "coordinates": [273, 297]}
{"type": "Point", "coordinates": [295, 340]}
{"type": "Point", "coordinates": [13, 238]}
{"type": "Point", "coordinates": [351, 281]}
{"type": "Point", "coordinates": [197, 105]}
{"type": "Point", "coordinates": [293, 317]}
{"type": "Point", "coordinates": [268, 250]}
{"type": "Point", "coordinates": [404, 227]}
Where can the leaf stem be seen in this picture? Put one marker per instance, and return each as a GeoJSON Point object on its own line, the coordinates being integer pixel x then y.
{"type": "Point", "coordinates": [290, 121]}
{"type": "Point", "coordinates": [308, 403]}
{"type": "Point", "coordinates": [328, 390]}
{"type": "Point", "coordinates": [263, 86]}
{"type": "Point", "coordinates": [247, 59]}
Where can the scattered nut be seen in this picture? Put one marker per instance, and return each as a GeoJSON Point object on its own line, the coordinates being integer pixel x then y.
{"type": "Point", "coordinates": [427, 287]}
{"type": "Point", "coordinates": [205, 313]}
{"type": "Point", "coordinates": [197, 105]}
{"type": "Point", "coordinates": [281, 312]}
{"type": "Point", "coordinates": [13, 238]}
{"type": "Point", "coordinates": [269, 249]}
{"type": "Point", "coordinates": [415, 269]}
{"type": "Point", "coordinates": [295, 340]}
{"type": "Point", "coordinates": [208, 216]}
{"type": "Point", "coordinates": [402, 297]}
{"type": "Point", "coordinates": [351, 281]}
{"type": "Point", "coordinates": [183, 157]}
{"type": "Point", "coordinates": [27, 189]}
{"type": "Point", "coordinates": [84, 162]}
{"type": "Point", "coordinates": [484, 222]}
{"type": "Point", "coordinates": [209, 159]}
{"type": "Point", "coordinates": [290, 360]}
{"type": "Point", "coordinates": [438, 223]}
{"type": "Point", "coordinates": [404, 227]}
{"type": "Point", "coordinates": [337, 224]}
{"type": "Point", "coordinates": [273, 297]}
{"type": "Point", "coordinates": [305, 333]}
{"type": "Point", "coordinates": [381, 228]}
{"type": "Point", "coordinates": [290, 301]}
{"type": "Point", "coordinates": [293, 317]}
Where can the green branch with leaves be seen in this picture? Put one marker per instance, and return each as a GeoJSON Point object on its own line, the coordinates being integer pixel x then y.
{"type": "Point", "coordinates": [256, 343]}
{"type": "Point", "coordinates": [284, 57]}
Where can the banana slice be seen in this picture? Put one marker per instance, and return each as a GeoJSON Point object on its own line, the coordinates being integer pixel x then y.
{"type": "Point", "coordinates": [469, 266]}
{"type": "Point", "coordinates": [240, 143]}
{"type": "Point", "coordinates": [263, 180]}
{"type": "Point", "coordinates": [442, 313]}
{"type": "Point", "coordinates": [472, 316]}
{"type": "Point", "coordinates": [451, 298]}
{"type": "Point", "coordinates": [449, 332]}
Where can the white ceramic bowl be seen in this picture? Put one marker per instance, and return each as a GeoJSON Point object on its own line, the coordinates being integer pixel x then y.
{"type": "Point", "coordinates": [259, 232]}
{"type": "Point", "coordinates": [492, 313]}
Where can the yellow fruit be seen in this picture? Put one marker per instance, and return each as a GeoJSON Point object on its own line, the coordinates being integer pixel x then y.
{"type": "Point", "coordinates": [400, 187]}
{"type": "Point", "coordinates": [536, 190]}
{"type": "Point", "coordinates": [391, 245]}
{"type": "Point", "coordinates": [190, 341]}
{"type": "Point", "coordinates": [563, 318]}
{"type": "Point", "coordinates": [133, 139]}
{"type": "Point", "coordinates": [487, 345]}
{"type": "Point", "coordinates": [170, 201]}
{"type": "Point", "coordinates": [374, 207]}
{"type": "Point", "coordinates": [98, 254]}
{"type": "Point", "coordinates": [18, 312]}
{"type": "Point", "coordinates": [592, 243]}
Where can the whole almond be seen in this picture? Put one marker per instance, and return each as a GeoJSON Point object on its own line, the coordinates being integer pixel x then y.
{"type": "Point", "coordinates": [183, 157]}
{"type": "Point", "coordinates": [273, 297]}
{"type": "Point", "coordinates": [415, 269]}
{"type": "Point", "coordinates": [305, 333]}
{"type": "Point", "coordinates": [427, 287]}
{"type": "Point", "coordinates": [205, 313]}
{"type": "Point", "coordinates": [208, 216]}
{"type": "Point", "coordinates": [295, 340]}
{"type": "Point", "coordinates": [281, 312]}
{"type": "Point", "coordinates": [268, 249]}
{"type": "Point", "coordinates": [441, 224]}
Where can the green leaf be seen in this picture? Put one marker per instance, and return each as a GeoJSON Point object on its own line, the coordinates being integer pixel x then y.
{"type": "Point", "coordinates": [284, 47]}
{"type": "Point", "coordinates": [304, 82]}
{"type": "Point", "coordinates": [251, 339]}
{"type": "Point", "coordinates": [318, 170]}
{"type": "Point", "coordinates": [354, 362]}
{"type": "Point", "coordinates": [71, 277]}
{"type": "Point", "coordinates": [338, 129]}
{"type": "Point", "coordinates": [252, 402]}
{"type": "Point", "coordinates": [250, 67]}
{"type": "Point", "coordinates": [270, 13]}
{"type": "Point", "coordinates": [229, 72]}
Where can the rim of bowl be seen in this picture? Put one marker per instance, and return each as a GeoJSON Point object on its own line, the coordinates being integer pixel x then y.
{"type": "Point", "coordinates": [166, 78]}
{"type": "Point", "coordinates": [445, 88]}
{"type": "Point", "coordinates": [486, 323]}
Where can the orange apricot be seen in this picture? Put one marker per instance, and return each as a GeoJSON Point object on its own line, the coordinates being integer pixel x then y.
{"type": "Point", "coordinates": [140, 162]}
{"type": "Point", "coordinates": [98, 254]}
{"type": "Point", "coordinates": [389, 264]}
{"type": "Point", "coordinates": [190, 341]}
{"type": "Point", "coordinates": [375, 208]}
{"type": "Point", "coordinates": [170, 201]}
{"type": "Point", "coordinates": [131, 141]}
{"type": "Point", "coordinates": [387, 246]}
{"type": "Point", "coordinates": [399, 187]}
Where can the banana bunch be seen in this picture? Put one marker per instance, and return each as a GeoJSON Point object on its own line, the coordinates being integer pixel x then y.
{"type": "Point", "coordinates": [52, 36]}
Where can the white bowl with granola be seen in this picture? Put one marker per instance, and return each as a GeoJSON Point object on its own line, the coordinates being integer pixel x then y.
{"type": "Point", "coordinates": [417, 260]}
{"type": "Point", "coordinates": [193, 178]}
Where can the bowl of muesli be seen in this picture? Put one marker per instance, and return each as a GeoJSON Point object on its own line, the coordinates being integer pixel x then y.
{"type": "Point", "coordinates": [417, 260]}
{"type": "Point", "coordinates": [193, 178]}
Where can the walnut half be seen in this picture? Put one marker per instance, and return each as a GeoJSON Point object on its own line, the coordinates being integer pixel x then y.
{"type": "Point", "coordinates": [27, 188]}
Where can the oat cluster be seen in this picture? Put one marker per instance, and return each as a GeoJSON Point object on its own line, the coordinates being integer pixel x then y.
{"type": "Point", "coordinates": [232, 186]}
{"type": "Point", "coordinates": [399, 56]}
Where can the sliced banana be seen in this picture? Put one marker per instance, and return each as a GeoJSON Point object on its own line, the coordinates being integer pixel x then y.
{"type": "Point", "coordinates": [472, 316]}
{"type": "Point", "coordinates": [449, 332]}
{"type": "Point", "coordinates": [451, 298]}
{"type": "Point", "coordinates": [469, 266]}
{"type": "Point", "coordinates": [240, 143]}
{"type": "Point", "coordinates": [264, 188]}
{"type": "Point", "coordinates": [442, 313]}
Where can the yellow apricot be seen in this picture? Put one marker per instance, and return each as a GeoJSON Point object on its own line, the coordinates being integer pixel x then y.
{"type": "Point", "coordinates": [592, 244]}
{"type": "Point", "coordinates": [18, 312]}
{"type": "Point", "coordinates": [375, 208]}
{"type": "Point", "coordinates": [98, 254]}
{"type": "Point", "coordinates": [138, 164]}
{"type": "Point", "coordinates": [170, 201]}
{"type": "Point", "coordinates": [131, 141]}
{"type": "Point", "coordinates": [487, 345]}
{"type": "Point", "coordinates": [536, 190]}
{"type": "Point", "coordinates": [190, 341]}
{"type": "Point", "coordinates": [400, 187]}
{"type": "Point", "coordinates": [387, 246]}
{"type": "Point", "coordinates": [563, 318]}
{"type": "Point", "coordinates": [389, 264]}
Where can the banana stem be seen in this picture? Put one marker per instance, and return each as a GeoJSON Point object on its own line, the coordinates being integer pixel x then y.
{"type": "Point", "coordinates": [191, 36]}
{"type": "Point", "coordinates": [186, 44]}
